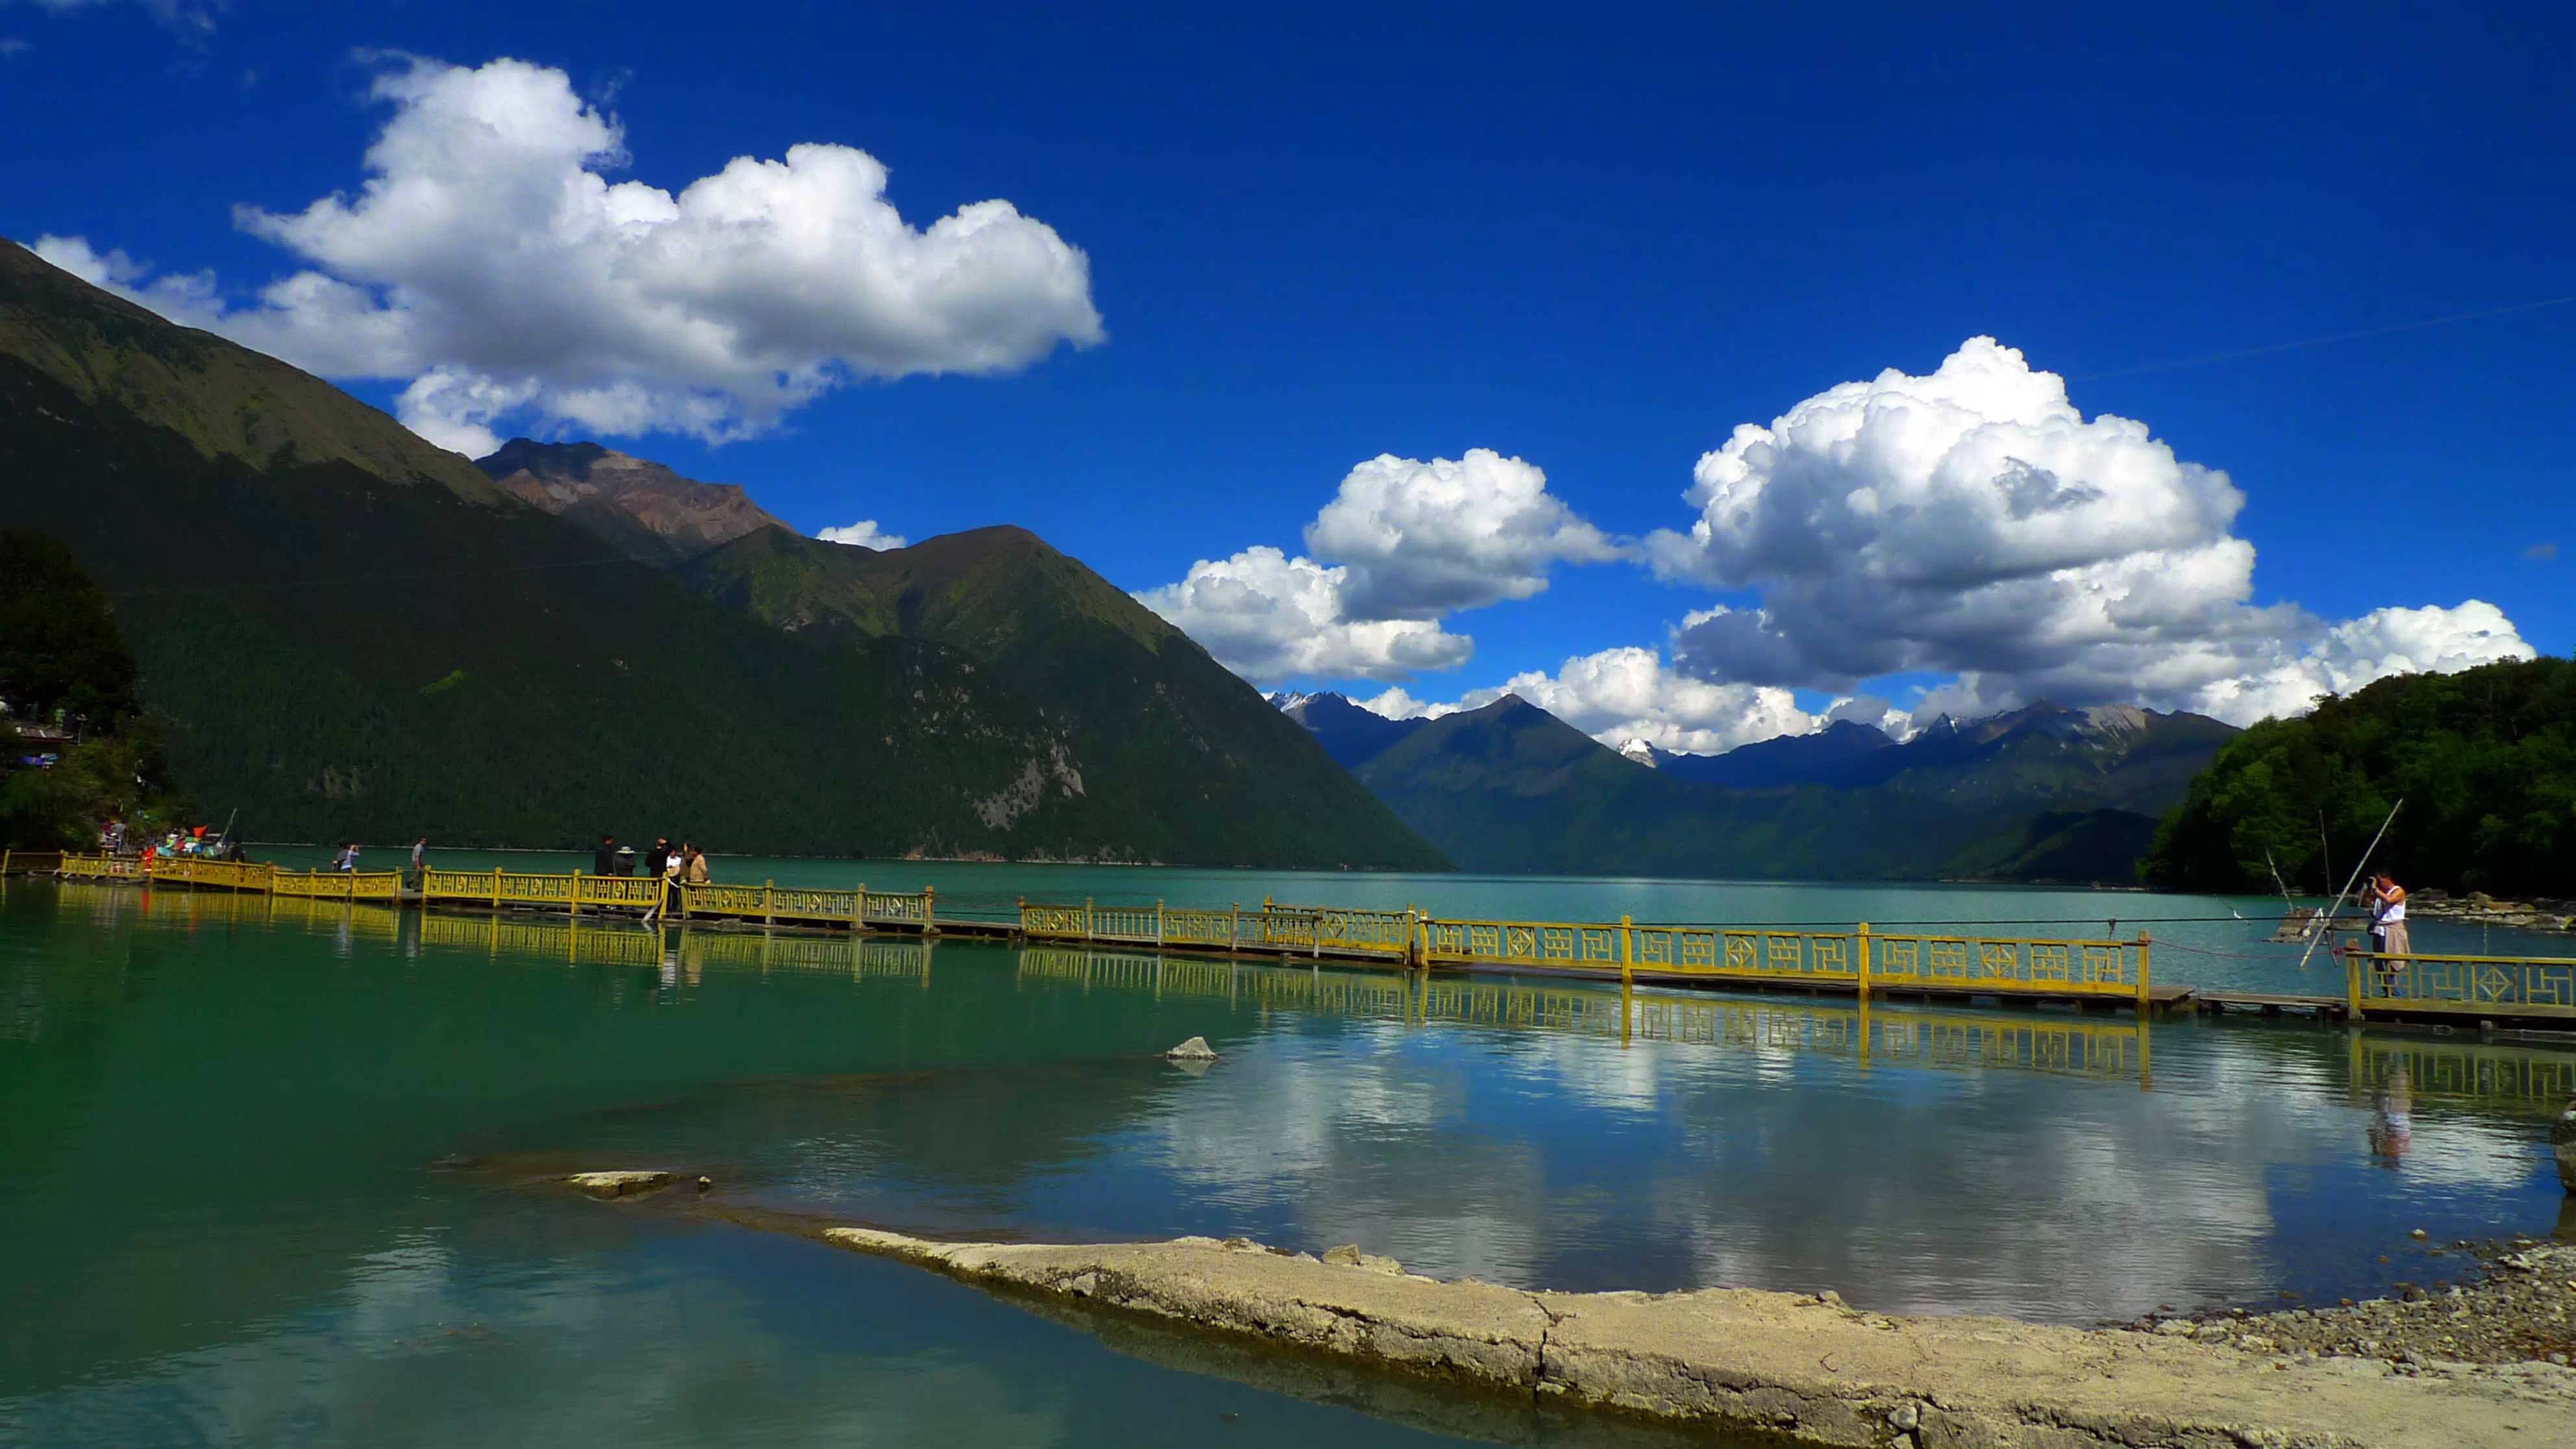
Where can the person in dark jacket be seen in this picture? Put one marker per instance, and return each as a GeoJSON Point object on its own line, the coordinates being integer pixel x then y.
{"type": "Point", "coordinates": [658, 856]}
{"type": "Point", "coordinates": [604, 861]}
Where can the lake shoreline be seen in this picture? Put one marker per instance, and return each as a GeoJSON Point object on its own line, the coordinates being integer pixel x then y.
{"type": "Point", "coordinates": [1809, 1368]}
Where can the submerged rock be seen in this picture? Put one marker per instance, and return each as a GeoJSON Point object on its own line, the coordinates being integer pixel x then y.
{"type": "Point", "coordinates": [1195, 1049]}
{"type": "Point", "coordinates": [619, 1184]}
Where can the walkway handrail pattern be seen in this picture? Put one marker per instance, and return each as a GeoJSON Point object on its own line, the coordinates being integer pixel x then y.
{"type": "Point", "coordinates": [1317, 930]}
{"type": "Point", "coordinates": [2462, 985]}
{"type": "Point", "coordinates": [1859, 957]}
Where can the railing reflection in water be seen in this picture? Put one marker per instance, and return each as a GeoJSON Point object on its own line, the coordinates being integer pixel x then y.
{"type": "Point", "coordinates": [2104, 1050]}
{"type": "Point", "coordinates": [692, 952]}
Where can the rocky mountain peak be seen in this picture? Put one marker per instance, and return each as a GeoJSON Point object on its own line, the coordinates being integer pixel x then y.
{"type": "Point", "coordinates": [642, 508]}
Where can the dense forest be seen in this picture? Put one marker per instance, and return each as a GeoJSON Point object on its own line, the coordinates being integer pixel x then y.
{"type": "Point", "coordinates": [2485, 761]}
{"type": "Point", "coordinates": [64, 666]}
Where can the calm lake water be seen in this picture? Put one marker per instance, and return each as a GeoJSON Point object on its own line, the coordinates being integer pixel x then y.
{"type": "Point", "coordinates": [263, 1166]}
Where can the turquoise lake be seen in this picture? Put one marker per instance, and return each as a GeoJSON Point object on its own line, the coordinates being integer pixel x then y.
{"type": "Point", "coordinates": [272, 1171]}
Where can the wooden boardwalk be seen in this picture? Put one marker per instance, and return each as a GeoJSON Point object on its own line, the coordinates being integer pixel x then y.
{"type": "Point", "coordinates": [2483, 993]}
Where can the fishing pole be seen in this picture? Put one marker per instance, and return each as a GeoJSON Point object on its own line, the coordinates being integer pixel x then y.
{"type": "Point", "coordinates": [2327, 920]}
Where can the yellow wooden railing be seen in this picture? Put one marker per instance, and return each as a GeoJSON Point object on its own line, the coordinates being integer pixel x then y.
{"type": "Point", "coordinates": [2459, 985]}
{"type": "Point", "coordinates": [99, 867]}
{"type": "Point", "coordinates": [1316, 930]}
{"type": "Point", "coordinates": [805, 905]}
{"type": "Point", "coordinates": [337, 885]}
{"type": "Point", "coordinates": [1858, 959]}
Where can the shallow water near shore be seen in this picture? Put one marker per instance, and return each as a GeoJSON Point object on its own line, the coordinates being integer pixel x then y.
{"type": "Point", "coordinates": [263, 1165]}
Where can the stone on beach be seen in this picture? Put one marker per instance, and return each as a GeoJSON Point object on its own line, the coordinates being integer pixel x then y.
{"type": "Point", "coordinates": [619, 1184]}
{"type": "Point", "coordinates": [1195, 1049]}
{"type": "Point", "coordinates": [1348, 1255]}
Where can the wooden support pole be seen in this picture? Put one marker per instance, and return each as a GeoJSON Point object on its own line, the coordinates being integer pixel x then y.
{"type": "Point", "coordinates": [769, 903]}
{"type": "Point", "coordinates": [930, 910]}
{"type": "Point", "coordinates": [1860, 947]}
{"type": "Point", "coordinates": [1158, 943]}
{"type": "Point", "coordinates": [2145, 975]}
{"type": "Point", "coordinates": [576, 891]}
{"type": "Point", "coordinates": [1627, 977]}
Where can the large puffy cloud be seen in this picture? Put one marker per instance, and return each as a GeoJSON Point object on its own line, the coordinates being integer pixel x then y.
{"type": "Point", "coordinates": [1425, 539]}
{"type": "Point", "coordinates": [489, 257]}
{"type": "Point", "coordinates": [1402, 544]}
{"type": "Point", "coordinates": [1974, 522]}
{"type": "Point", "coordinates": [1270, 617]}
{"type": "Point", "coordinates": [1623, 694]}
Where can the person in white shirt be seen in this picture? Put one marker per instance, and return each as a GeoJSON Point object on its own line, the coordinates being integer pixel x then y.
{"type": "Point", "coordinates": [2388, 917]}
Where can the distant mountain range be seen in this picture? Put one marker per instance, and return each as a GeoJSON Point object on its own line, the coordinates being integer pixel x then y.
{"type": "Point", "coordinates": [2039, 793]}
{"type": "Point", "coordinates": [351, 633]}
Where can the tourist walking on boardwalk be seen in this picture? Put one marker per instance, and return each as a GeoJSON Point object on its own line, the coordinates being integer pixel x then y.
{"type": "Point", "coordinates": [2388, 916]}
{"type": "Point", "coordinates": [420, 862]}
{"type": "Point", "coordinates": [604, 860]}
{"type": "Point", "coordinates": [695, 869]}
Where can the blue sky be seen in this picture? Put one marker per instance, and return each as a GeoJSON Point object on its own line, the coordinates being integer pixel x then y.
{"type": "Point", "coordinates": [1593, 242]}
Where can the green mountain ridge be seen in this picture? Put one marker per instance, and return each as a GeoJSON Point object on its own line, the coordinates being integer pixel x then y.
{"type": "Point", "coordinates": [350, 633]}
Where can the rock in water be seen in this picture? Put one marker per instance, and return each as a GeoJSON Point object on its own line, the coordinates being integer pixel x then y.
{"type": "Point", "coordinates": [619, 1184]}
{"type": "Point", "coordinates": [2562, 1140]}
{"type": "Point", "coordinates": [1348, 1255]}
{"type": "Point", "coordinates": [1195, 1049]}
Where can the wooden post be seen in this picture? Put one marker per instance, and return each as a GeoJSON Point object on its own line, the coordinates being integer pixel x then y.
{"type": "Point", "coordinates": [496, 887]}
{"type": "Point", "coordinates": [1158, 945]}
{"type": "Point", "coordinates": [1860, 945]}
{"type": "Point", "coordinates": [1234, 926]}
{"type": "Point", "coordinates": [2351, 986]}
{"type": "Point", "coordinates": [769, 903]}
{"type": "Point", "coordinates": [576, 891]}
{"type": "Point", "coordinates": [930, 910]}
{"type": "Point", "coordinates": [859, 909]}
{"type": "Point", "coordinates": [1627, 976]}
{"type": "Point", "coordinates": [2143, 975]}
{"type": "Point", "coordinates": [1086, 920]}
{"type": "Point", "coordinates": [1024, 917]}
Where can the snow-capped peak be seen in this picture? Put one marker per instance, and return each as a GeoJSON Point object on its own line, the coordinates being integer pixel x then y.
{"type": "Point", "coordinates": [1639, 751]}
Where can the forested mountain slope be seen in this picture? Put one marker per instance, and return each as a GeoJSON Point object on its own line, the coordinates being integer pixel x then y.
{"type": "Point", "coordinates": [350, 633]}
{"type": "Point", "coordinates": [2485, 761]}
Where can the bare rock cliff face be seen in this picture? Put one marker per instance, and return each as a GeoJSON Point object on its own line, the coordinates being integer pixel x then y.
{"type": "Point", "coordinates": [641, 507]}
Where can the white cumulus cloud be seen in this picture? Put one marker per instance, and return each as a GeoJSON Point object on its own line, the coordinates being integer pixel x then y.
{"type": "Point", "coordinates": [1974, 522]}
{"type": "Point", "coordinates": [1426, 539]}
{"type": "Point", "coordinates": [1403, 544]}
{"type": "Point", "coordinates": [1269, 617]}
{"type": "Point", "coordinates": [863, 533]}
{"type": "Point", "coordinates": [489, 257]}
